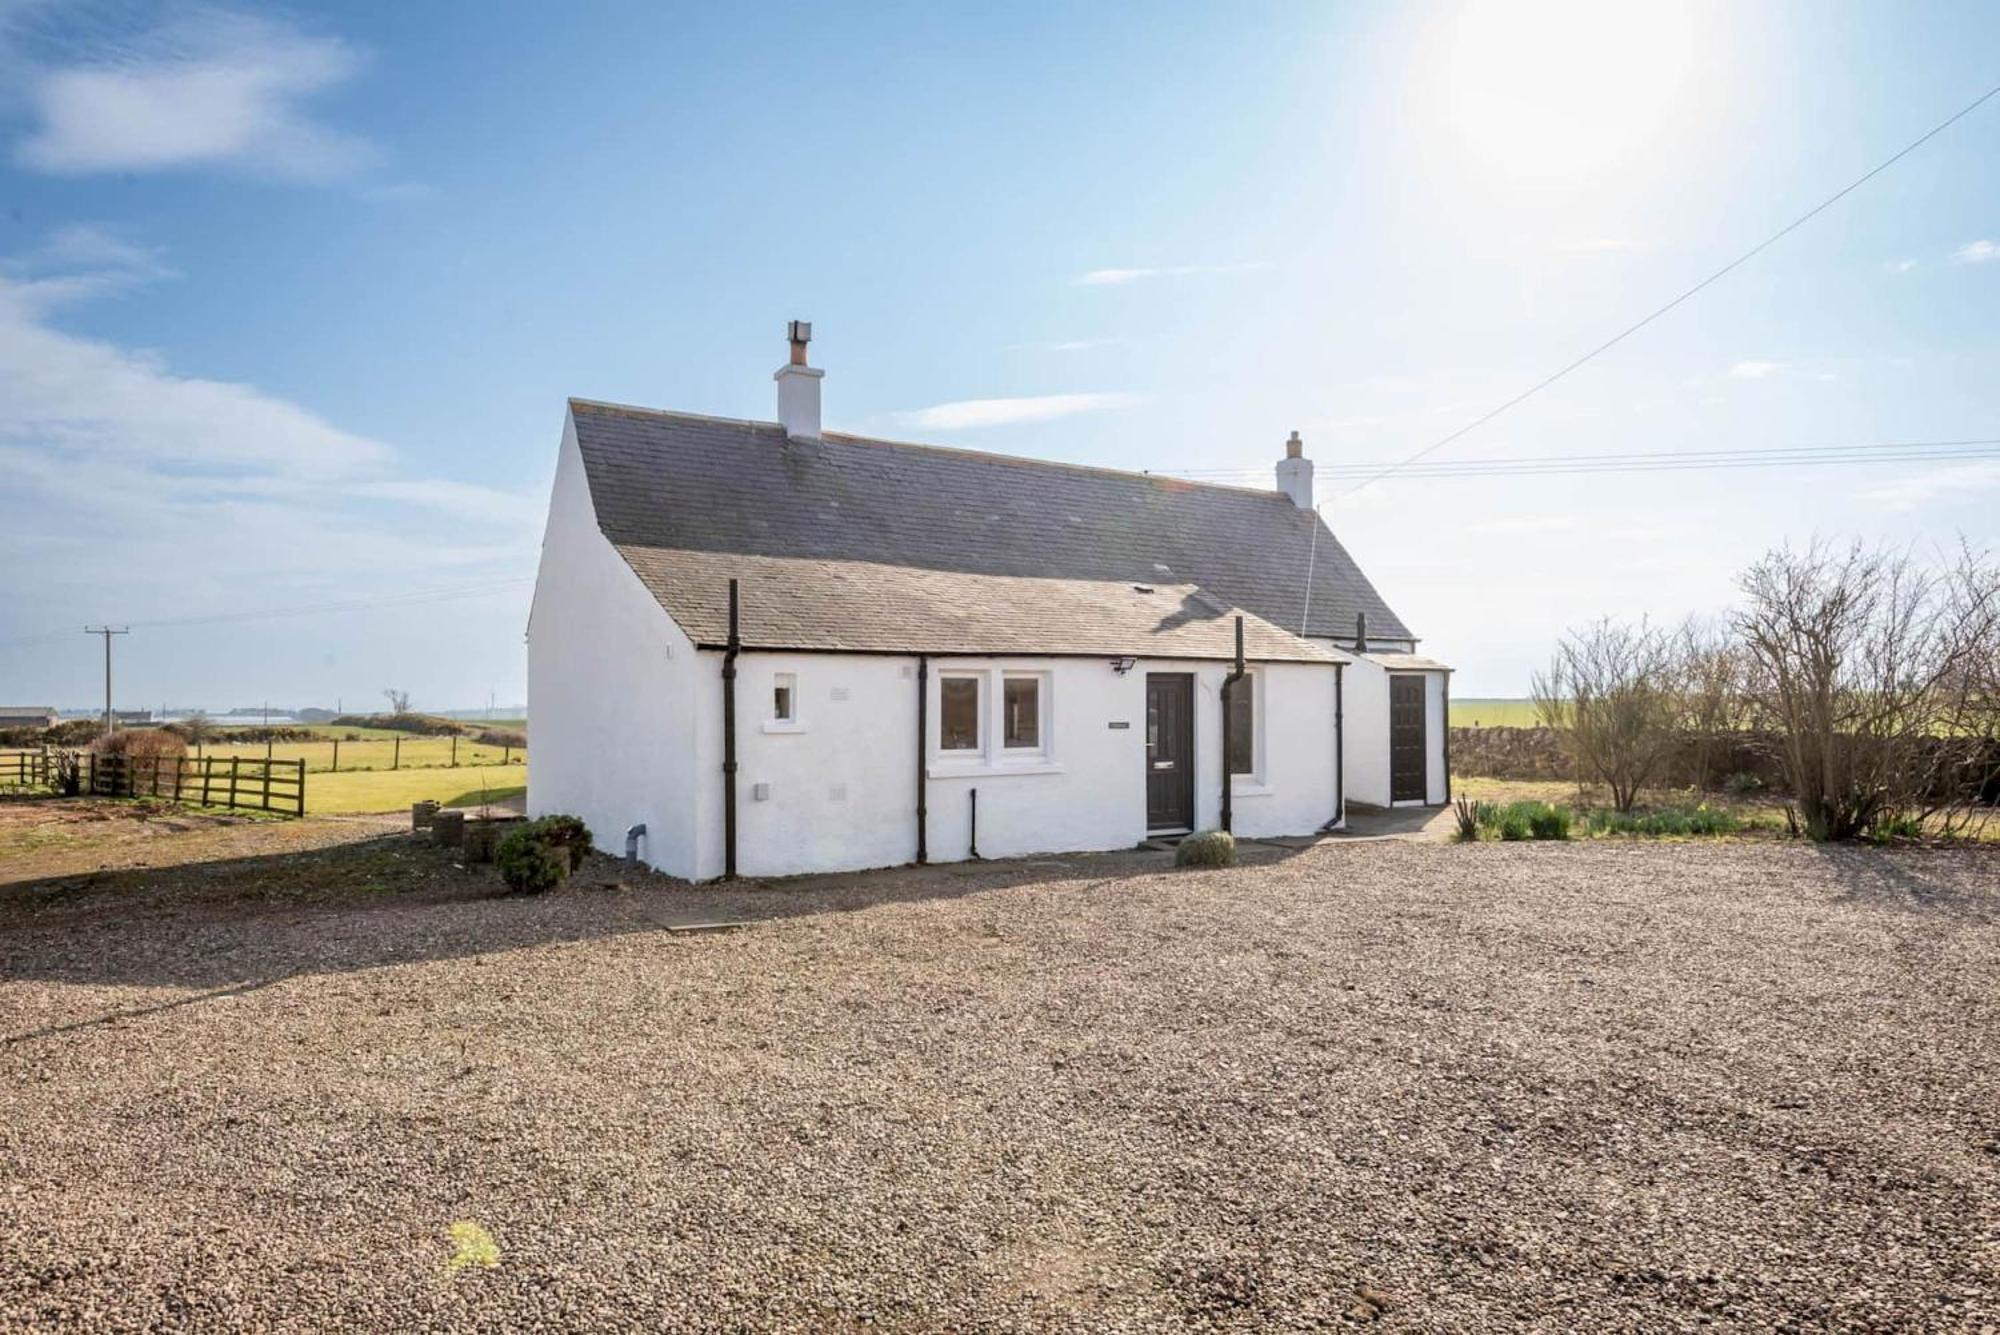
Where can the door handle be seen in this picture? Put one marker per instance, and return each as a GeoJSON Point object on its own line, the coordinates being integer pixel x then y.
{"type": "Point", "coordinates": [1163, 764]}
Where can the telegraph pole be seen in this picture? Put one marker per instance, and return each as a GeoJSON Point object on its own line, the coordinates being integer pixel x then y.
{"type": "Point", "coordinates": [110, 722]}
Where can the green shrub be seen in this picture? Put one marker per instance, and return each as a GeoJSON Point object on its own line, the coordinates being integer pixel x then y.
{"type": "Point", "coordinates": [1742, 784]}
{"type": "Point", "coordinates": [1211, 848]}
{"type": "Point", "coordinates": [1524, 820]}
{"type": "Point", "coordinates": [527, 861]}
{"type": "Point", "coordinates": [567, 832]}
{"type": "Point", "coordinates": [1891, 827]}
{"type": "Point", "coordinates": [1549, 821]}
{"type": "Point", "coordinates": [1666, 822]}
{"type": "Point", "coordinates": [1467, 812]}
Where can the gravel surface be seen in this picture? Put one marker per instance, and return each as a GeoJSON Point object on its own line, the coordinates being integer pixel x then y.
{"type": "Point", "coordinates": [1441, 1087]}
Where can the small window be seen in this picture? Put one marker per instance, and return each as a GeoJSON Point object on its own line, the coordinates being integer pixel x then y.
{"type": "Point", "coordinates": [1242, 727]}
{"type": "Point", "coordinates": [784, 698]}
{"type": "Point", "coordinates": [1021, 713]}
{"type": "Point", "coordinates": [958, 713]}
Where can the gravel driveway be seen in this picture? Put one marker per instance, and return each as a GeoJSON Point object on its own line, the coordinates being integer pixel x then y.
{"type": "Point", "coordinates": [1612, 1086]}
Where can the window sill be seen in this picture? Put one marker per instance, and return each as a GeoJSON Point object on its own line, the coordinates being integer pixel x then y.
{"type": "Point", "coordinates": [1242, 787]}
{"type": "Point", "coordinates": [982, 769]}
{"type": "Point", "coordinates": [783, 725]}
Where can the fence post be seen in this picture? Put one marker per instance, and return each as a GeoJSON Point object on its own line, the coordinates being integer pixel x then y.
{"type": "Point", "coordinates": [207, 768]}
{"type": "Point", "coordinates": [336, 755]}
{"type": "Point", "coordinates": [396, 760]}
{"type": "Point", "coordinates": [235, 770]}
{"type": "Point", "coordinates": [267, 782]}
{"type": "Point", "coordinates": [454, 750]}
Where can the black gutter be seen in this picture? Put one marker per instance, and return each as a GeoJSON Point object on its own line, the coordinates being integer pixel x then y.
{"type": "Point", "coordinates": [1229, 682]}
{"type": "Point", "coordinates": [923, 729]}
{"type": "Point", "coordinates": [1022, 653]}
{"type": "Point", "coordinates": [730, 650]}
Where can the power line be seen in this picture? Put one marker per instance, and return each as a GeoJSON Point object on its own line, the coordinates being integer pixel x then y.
{"type": "Point", "coordinates": [1660, 460]}
{"type": "Point", "coordinates": [403, 599]}
{"type": "Point", "coordinates": [1726, 269]}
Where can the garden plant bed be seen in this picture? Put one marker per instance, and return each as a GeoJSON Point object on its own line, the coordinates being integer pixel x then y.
{"type": "Point", "coordinates": [1599, 1084]}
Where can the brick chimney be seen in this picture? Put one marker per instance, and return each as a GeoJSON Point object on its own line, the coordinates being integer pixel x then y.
{"type": "Point", "coordinates": [1295, 473]}
{"type": "Point", "coordinates": [798, 387]}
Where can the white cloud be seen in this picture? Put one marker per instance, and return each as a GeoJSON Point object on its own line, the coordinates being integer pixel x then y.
{"type": "Point", "coordinates": [1084, 344]}
{"type": "Point", "coordinates": [1900, 266]}
{"type": "Point", "coordinates": [1976, 252]}
{"type": "Point", "coordinates": [1760, 370]}
{"type": "Point", "coordinates": [1525, 524]}
{"type": "Point", "coordinates": [1120, 277]}
{"type": "Point", "coordinates": [1908, 493]}
{"type": "Point", "coordinates": [133, 471]}
{"type": "Point", "coordinates": [969, 413]}
{"type": "Point", "coordinates": [212, 89]}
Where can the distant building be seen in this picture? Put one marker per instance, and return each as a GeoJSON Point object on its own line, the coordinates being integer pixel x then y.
{"type": "Point", "coordinates": [28, 716]}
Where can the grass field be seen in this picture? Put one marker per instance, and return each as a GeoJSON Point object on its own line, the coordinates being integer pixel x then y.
{"type": "Point", "coordinates": [394, 790]}
{"type": "Point", "coordinates": [376, 750]}
{"type": "Point", "coordinates": [1493, 713]}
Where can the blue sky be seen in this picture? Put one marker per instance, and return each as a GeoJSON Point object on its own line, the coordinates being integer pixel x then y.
{"type": "Point", "coordinates": [290, 299]}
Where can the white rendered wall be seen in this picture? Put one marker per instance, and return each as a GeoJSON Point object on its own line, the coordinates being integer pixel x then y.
{"type": "Point", "coordinates": [610, 688]}
{"type": "Point", "coordinates": [1366, 709]}
{"type": "Point", "coordinates": [1436, 777]}
{"type": "Point", "coordinates": [840, 788]}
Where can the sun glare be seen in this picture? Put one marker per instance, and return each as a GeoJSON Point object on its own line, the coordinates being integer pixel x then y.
{"type": "Point", "coordinates": [1546, 89]}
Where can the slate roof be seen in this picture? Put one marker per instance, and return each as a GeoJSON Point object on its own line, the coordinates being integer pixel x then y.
{"type": "Point", "coordinates": [860, 544]}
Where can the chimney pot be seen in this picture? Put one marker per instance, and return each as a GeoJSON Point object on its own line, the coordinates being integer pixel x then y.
{"type": "Point", "coordinates": [798, 387]}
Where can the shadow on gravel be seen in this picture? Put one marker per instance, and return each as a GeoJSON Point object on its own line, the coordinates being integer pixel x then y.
{"type": "Point", "coordinates": [1920, 882]}
{"type": "Point", "coordinates": [223, 926]}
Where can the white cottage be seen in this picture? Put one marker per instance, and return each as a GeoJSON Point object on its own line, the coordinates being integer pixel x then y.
{"type": "Point", "coordinates": [762, 648]}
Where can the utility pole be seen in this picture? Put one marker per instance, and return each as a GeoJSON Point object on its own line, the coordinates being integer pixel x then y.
{"type": "Point", "coordinates": [110, 722]}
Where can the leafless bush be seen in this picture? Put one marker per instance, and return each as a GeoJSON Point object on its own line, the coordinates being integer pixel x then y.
{"type": "Point", "coordinates": [1876, 673]}
{"type": "Point", "coordinates": [1610, 693]}
{"type": "Point", "coordinates": [1709, 675]}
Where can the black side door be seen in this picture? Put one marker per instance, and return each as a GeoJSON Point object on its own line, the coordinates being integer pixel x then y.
{"type": "Point", "coordinates": [1169, 751]}
{"type": "Point", "coordinates": [1406, 739]}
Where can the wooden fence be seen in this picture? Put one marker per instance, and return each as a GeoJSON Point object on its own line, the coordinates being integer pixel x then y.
{"type": "Point", "coordinates": [215, 781]}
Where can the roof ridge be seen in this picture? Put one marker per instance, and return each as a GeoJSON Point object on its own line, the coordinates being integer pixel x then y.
{"type": "Point", "coordinates": [848, 437]}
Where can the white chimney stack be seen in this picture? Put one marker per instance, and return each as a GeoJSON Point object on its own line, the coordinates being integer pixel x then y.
{"type": "Point", "coordinates": [798, 387]}
{"type": "Point", "coordinates": [1295, 473]}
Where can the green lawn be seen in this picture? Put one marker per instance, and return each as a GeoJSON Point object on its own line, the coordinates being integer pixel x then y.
{"type": "Point", "coordinates": [1493, 713]}
{"type": "Point", "coordinates": [395, 790]}
{"type": "Point", "coordinates": [377, 749]}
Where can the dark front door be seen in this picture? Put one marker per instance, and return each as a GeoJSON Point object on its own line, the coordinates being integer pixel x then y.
{"type": "Point", "coordinates": [1406, 739]}
{"type": "Point", "coordinates": [1169, 751]}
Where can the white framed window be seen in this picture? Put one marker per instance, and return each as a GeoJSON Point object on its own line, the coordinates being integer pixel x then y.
{"type": "Point", "coordinates": [961, 730]}
{"type": "Point", "coordinates": [1024, 715]}
{"type": "Point", "coordinates": [785, 698]}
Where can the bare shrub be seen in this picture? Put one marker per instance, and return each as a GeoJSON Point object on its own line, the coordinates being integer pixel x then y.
{"type": "Point", "coordinates": [140, 743]}
{"type": "Point", "coordinates": [1610, 693]}
{"type": "Point", "coordinates": [1710, 688]}
{"type": "Point", "coordinates": [1875, 673]}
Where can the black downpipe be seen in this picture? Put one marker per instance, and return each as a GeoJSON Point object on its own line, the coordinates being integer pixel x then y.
{"type": "Point", "coordinates": [923, 729]}
{"type": "Point", "coordinates": [974, 852]}
{"type": "Point", "coordinates": [1339, 746]}
{"type": "Point", "coordinates": [734, 647]}
{"type": "Point", "coordinates": [1228, 689]}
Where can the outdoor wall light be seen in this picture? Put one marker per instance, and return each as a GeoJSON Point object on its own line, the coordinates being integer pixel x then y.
{"type": "Point", "coordinates": [1122, 665]}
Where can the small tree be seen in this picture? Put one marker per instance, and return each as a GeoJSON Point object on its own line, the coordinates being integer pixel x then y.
{"type": "Point", "coordinates": [1709, 676]}
{"type": "Point", "coordinates": [1609, 693]}
{"type": "Point", "coordinates": [1867, 665]}
{"type": "Point", "coordinates": [399, 701]}
{"type": "Point", "coordinates": [197, 728]}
